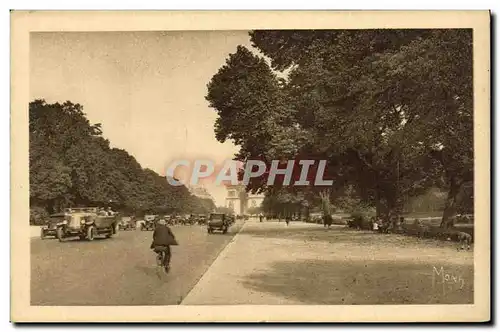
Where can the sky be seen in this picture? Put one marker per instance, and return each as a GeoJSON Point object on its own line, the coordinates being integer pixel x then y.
{"type": "Point", "coordinates": [147, 89]}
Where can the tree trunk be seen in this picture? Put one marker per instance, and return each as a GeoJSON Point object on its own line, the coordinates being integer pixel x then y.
{"type": "Point", "coordinates": [325, 201]}
{"type": "Point", "coordinates": [390, 206]}
{"type": "Point", "coordinates": [450, 207]}
{"type": "Point", "coordinates": [381, 209]}
{"type": "Point", "coordinates": [51, 206]}
{"type": "Point", "coordinates": [381, 205]}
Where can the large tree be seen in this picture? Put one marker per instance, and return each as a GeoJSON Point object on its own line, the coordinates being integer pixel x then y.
{"type": "Point", "coordinates": [384, 107]}
{"type": "Point", "coordinates": [383, 98]}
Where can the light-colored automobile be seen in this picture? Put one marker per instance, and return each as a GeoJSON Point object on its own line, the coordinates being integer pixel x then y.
{"type": "Point", "coordinates": [127, 224]}
{"type": "Point", "coordinates": [86, 223]}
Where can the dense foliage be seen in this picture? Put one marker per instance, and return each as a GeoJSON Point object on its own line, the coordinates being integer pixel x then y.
{"type": "Point", "coordinates": [390, 110]}
{"type": "Point", "coordinates": [71, 164]}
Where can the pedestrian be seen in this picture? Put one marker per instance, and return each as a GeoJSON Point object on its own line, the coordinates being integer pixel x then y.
{"type": "Point", "coordinates": [287, 220]}
{"type": "Point", "coordinates": [383, 225]}
{"type": "Point", "coordinates": [327, 220]}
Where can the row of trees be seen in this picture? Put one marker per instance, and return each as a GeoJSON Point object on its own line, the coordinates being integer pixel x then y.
{"type": "Point", "coordinates": [71, 164]}
{"type": "Point", "coordinates": [390, 110]}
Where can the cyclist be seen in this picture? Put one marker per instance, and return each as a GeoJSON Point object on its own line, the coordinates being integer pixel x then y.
{"type": "Point", "coordinates": [163, 238]}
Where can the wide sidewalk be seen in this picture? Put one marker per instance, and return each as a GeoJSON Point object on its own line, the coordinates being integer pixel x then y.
{"type": "Point", "coordinates": [252, 251]}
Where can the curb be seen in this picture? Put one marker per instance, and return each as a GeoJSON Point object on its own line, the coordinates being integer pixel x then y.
{"type": "Point", "coordinates": [222, 255]}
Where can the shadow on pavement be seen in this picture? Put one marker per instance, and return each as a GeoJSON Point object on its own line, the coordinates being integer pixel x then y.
{"type": "Point", "coordinates": [151, 271]}
{"type": "Point", "coordinates": [354, 282]}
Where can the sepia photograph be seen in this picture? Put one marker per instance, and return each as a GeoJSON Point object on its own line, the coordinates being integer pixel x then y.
{"type": "Point", "coordinates": [246, 166]}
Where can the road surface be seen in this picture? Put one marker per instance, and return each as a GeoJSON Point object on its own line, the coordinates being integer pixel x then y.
{"type": "Point", "coordinates": [121, 270]}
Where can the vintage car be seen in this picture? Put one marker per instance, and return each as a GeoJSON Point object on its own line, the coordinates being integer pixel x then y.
{"type": "Point", "coordinates": [86, 223]}
{"type": "Point", "coordinates": [169, 219]}
{"type": "Point", "coordinates": [127, 224]}
{"type": "Point", "coordinates": [316, 218]}
{"type": "Point", "coordinates": [148, 225]}
{"type": "Point", "coordinates": [149, 222]}
{"type": "Point", "coordinates": [186, 220]}
{"type": "Point", "coordinates": [173, 219]}
{"type": "Point", "coordinates": [50, 228]}
{"type": "Point", "coordinates": [231, 219]}
{"type": "Point", "coordinates": [201, 219]}
{"type": "Point", "coordinates": [218, 221]}
{"type": "Point", "coordinates": [150, 217]}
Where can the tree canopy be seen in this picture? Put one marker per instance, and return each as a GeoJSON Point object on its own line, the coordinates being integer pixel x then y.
{"type": "Point", "coordinates": [390, 110]}
{"type": "Point", "coordinates": [71, 164]}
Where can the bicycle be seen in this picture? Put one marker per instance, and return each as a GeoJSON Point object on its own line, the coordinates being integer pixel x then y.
{"type": "Point", "coordinates": [163, 257]}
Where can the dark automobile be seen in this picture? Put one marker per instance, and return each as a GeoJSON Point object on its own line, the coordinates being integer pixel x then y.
{"type": "Point", "coordinates": [219, 221]}
{"type": "Point", "coordinates": [148, 225]}
{"type": "Point", "coordinates": [149, 222]}
{"type": "Point", "coordinates": [186, 219]}
{"type": "Point", "coordinates": [193, 218]}
{"type": "Point", "coordinates": [50, 228]}
{"type": "Point", "coordinates": [169, 219]}
{"type": "Point", "coordinates": [202, 219]}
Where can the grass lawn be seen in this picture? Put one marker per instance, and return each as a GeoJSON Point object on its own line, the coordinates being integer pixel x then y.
{"type": "Point", "coordinates": [343, 266]}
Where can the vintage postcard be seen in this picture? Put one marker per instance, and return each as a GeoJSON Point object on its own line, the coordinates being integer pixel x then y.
{"type": "Point", "coordinates": [250, 166]}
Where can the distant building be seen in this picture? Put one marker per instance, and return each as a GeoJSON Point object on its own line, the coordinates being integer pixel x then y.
{"type": "Point", "coordinates": [238, 200]}
{"type": "Point", "coordinates": [201, 192]}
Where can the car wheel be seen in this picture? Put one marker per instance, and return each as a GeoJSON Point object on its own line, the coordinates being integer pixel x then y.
{"type": "Point", "coordinates": [91, 233]}
{"type": "Point", "coordinates": [224, 231]}
{"type": "Point", "coordinates": [60, 234]}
